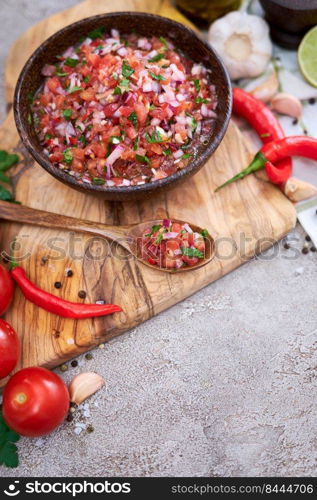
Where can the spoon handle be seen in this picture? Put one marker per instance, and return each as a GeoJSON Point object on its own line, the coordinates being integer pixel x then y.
{"type": "Point", "coordinates": [26, 215]}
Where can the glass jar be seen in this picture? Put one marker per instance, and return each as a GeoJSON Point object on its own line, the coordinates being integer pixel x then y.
{"type": "Point", "coordinates": [204, 12]}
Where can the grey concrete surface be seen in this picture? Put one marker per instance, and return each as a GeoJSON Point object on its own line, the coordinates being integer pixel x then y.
{"type": "Point", "coordinates": [223, 384]}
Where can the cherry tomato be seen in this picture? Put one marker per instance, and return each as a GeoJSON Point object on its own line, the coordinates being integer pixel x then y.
{"type": "Point", "coordinates": [6, 290]}
{"type": "Point", "coordinates": [35, 402]}
{"type": "Point", "coordinates": [9, 348]}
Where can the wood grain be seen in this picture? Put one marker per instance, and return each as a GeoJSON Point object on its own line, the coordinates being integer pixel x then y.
{"type": "Point", "coordinates": [246, 218]}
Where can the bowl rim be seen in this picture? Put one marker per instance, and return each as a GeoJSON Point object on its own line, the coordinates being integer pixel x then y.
{"type": "Point", "coordinates": [192, 166]}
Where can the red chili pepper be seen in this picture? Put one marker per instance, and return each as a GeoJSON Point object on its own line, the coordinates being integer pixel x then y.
{"type": "Point", "coordinates": [264, 123]}
{"type": "Point", "coordinates": [56, 305]}
{"type": "Point", "coordinates": [274, 152]}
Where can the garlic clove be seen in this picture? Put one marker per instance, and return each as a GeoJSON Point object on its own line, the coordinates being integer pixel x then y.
{"type": "Point", "coordinates": [84, 385]}
{"type": "Point", "coordinates": [266, 89]}
{"type": "Point", "coordinates": [298, 190]}
{"type": "Point", "coordinates": [287, 104]}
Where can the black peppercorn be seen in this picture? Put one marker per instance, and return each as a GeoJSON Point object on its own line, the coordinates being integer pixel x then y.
{"type": "Point", "coordinates": [312, 100]}
{"type": "Point", "coordinates": [286, 246]}
{"type": "Point", "coordinates": [89, 429]}
{"type": "Point", "coordinates": [307, 237]}
{"type": "Point", "coordinates": [69, 273]}
{"type": "Point", "coordinates": [305, 250]}
{"type": "Point", "coordinates": [88, 355]}
{"type": "Point", "coordinates": [74, 363]}
{"type": "Point", "coordinates": [313, 249]}
{"type": "Point", "coordinates": [295, 121]}
{"type": "Point", "coordinates": [82, 294]}
{"type": "Point", "coordinates": [58, 284]}
{"type": "Point", "coordinates": [69, 417]}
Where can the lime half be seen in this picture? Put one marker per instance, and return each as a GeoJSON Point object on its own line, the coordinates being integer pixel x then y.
{"type": "Point", "coordinates": [307, 56]}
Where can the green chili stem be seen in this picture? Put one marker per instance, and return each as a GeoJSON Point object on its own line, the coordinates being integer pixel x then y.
{"type": "Point", "coordinates": [257, 163]}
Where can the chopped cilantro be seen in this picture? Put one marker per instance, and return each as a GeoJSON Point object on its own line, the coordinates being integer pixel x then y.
{"type": "Point", "coordinates": [30, 97]}
{"type": "Point", "coordinates": [153, 230]}
{"type": "Point", "coordinates": [98, 181]}
{"type": "Point", "coordinates": [164, 41]}
{"type": "Point", "coordinates": [124, 82]}
{"type": "Point", "coordinates": [167, 152]}
{"type": "Point", "coordinates": [133, 118]}
{"type": "Point", "coordinates": [136, 143]}
{"type": "Point", "coordinates": [154, 138]}
{"type": "Point", "coordinates": [127, 71]}
{"type": "Point", "coordinates": [73, 89]}
{"type": "Point", "coordinates": [205, 233]}
{"type": "Point", "coordinates": [87, 79]}
{"type": "Point", "coordinates": [157, 77]}
{"type": "Point", "coordinates": [186, 155]}
{"type": "Point", "coordinates": [157, 58]}
{"type": "Point", "coordinates": [196, 84]}
{"type": "Point", "coordinates": [159, 238]}
{"type": "Point", "coordinates": [97, 33]}
{"type": "Point", "coordinates": [68, 157]}
{"type": "Point", "coordinates": [71, 62]}
{"type": "Point", "coordinates": [142, 159]}
{"type": "Point", "coordinates": [192, 252]}
{"type": "Point", "coordinates": [199, 100]}
{"type": "Point", "coordinates": [60, 73]}
{"type": "Point", "coordinates": [117, 91]}
{"type": "Point", "coordinates": [30, 120]}
{"type": "Point", "coordinates": [67, 113]}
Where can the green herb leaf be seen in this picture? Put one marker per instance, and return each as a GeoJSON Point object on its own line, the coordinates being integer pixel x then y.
{"type": "Point", "coordinates": [98, 181]}
{"type": "Point", "coordinates": [167, 152]}
{"type": "Point", "coordinates": [164, 41]}
{"type": "Point", "coordinates": [68, 157]}
{"type": "Point", "coordinates": [134, 119]}
{"type": "Point", "coordinates": [97, 33]}
{"type": "Point", "coordinates": [192, 252]}
{"type": "Point", "coordinates": [87, 79]}
{"type": "Point", "coordinates": [60, 73]}
{"type": "Point", "coordinates": [74, 89]}
{"type": "Point", "coordinates": [117, 91]}
{"type": "Point", "coordinates": [5, 195]}
{"type": "Point", "coordinates": [142, 159]}
{"type": "Point", "coordinates": [199, 100]}
{"type": "Point", "coordinates": [7, 160]}
{"type": "Point", "coordinates": [8, 450]}
{"type": "Point", "coordinates": [127, 71]}
{"type": "Point", "coordinates": [196, 84]}
{"type": "Point", "coordinates": [67, 113]}
{"type": "Point", "coordinates": [205, 233]}
{"type": "Point", "coordinates": [4, 178]}
{"type": "Point", "coordinates": [124, 82]}
{"type": "Point", "coordinates": [155, 138]}
{"type": "Point", "coordinates": [71, 62]}
{"type": "Point", "coordinates": [157, 58]}
{"type": "Point", "coordinates": [185, 156]}
{"type": "Point", "coordinates": [157, 77]}
{"type": "Point", "coordinates": [153, 230]}
{"type": "Point", "coordinates": [30, 97]}
{"type": "Point", "coordinates": [159, 238]}
{"type": "Point", "coordinates": [136, 143]}
{"type": "Point", "coordinates": [82, 139]}
{"type": "Point", "coordinates": [30, 120]}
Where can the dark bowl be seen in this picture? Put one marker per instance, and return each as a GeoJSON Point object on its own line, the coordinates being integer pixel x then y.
{"type": "Point", "coordinates": [185, 39]}
{"type": "Point", "coordinates": [289, 20]}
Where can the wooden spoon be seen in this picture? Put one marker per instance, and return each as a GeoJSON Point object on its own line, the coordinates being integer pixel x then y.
{"type": "Point", "coordinates": [126, 236]}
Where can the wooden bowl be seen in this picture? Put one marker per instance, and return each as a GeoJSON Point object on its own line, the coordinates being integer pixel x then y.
{"type": "Point", "coordinates": [185, 39]}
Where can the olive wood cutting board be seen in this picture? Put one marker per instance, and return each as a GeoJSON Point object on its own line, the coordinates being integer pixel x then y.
{"type": "Point", "coordinates": [246, 217]}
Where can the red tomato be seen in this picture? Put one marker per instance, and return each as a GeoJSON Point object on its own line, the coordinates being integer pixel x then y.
{"type": "Point", "coordinates": [35, 402]}
{"type": "Point", "coordinates": [6, 290]}
{"type": "Point", "coordinates": [9, 348]}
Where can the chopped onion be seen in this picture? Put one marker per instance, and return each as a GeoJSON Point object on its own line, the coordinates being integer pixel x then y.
{"type": "Point", "coordinates": [187, 228]}
{"type": "Point", "coordinates": [178, 153]}
{"type": "Point", "coordinates": [180, 97]}
{"type": "Point", "coordinates": [166, 223]}
{"type": "Point", "coordinates": [169, 235]}
{"type": "Point", "coordinates": [147, 87]}
{"type": "Point", "coordinates": [48, 70]}
{"type": "Point", "coordinates": [122, 51]}
{"type": "Point", "coordinates": [116, 153]}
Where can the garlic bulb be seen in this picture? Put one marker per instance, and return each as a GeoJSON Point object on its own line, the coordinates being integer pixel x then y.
{"type": "Point", "coordinates": [243, 42]}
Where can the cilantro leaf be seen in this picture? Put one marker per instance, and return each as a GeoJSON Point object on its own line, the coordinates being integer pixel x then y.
{"type": "Point", "coordinates": [157, 58]}
{"type": "Point", "coordinates": [157, 77]}
{"type": "Point", "coordinates": [127, 71]}
{"type": "Point", "coordinates": [98, 181]}
{"type": "Point", "coordinates": [199, 100]}
{"type": "Point", "coordinates": [192, 252]}
{"type": "Point", "coordinates": [142, 159]}
{"type": "Point", "coordinates": [4, 178]}
{"type": "Point", "coordinates": [196, 84]}
{"type": "Point", "coordinates": [8, 450]}
{"type": "Point", "coordinates": [133, 118]}
{"type": "Point", "coordinates": [186, 155]}
{"type": "Point", "coordinates": [164, 41]}
{"type": "Point", "coordinates": [68, 157]}
{"type": "Point", "coordinates": [97, 33]}
{"type": "Point", "coordinates": [87, 79]}
{"type": "Point", "coordinates": [67, 113]}
{"type": "Point", "coordinates": [7, 160]}
{"type": "Point", "coordinates": [136, 143]}
{"type": "Point", "coordinates": [205, 233]}
{"type": "Point", "coordinates": [73, 89]}
{"type": "Point", "coordinates": [153, 230]}
{"type": "Point", "coordinates": [71, 62]}
{"type": "Point", "coordinates": [167, 152]}
{"type": "Point", "coordinates": [156, 137]}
